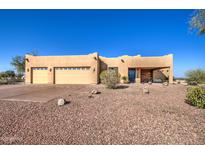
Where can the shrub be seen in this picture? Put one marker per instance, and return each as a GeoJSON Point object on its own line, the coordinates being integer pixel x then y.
{"type": "Point", "coordinates": [193, 83]}
{"type": "Point", "coordinates": [103, 76]}
{"type": "Point", "coordinates": [110, 78]}
{"type": "Point", "coordinates": [195, 76]}
{"type": "Point", "coordinates": [125, 79]}
{"type": "Point", "coordinates": [196, 96]}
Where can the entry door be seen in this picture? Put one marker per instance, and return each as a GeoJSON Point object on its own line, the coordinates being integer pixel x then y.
{"type": "Point", "coordinates": [132, 74]}
{"type": "Point", "coordinates": [146, 75]}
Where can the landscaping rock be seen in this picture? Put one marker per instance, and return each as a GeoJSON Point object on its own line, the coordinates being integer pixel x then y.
{"type": "Point", "coordinates": [165, 83]}
{"type": "Point", "coordinates": [149, 82]}
{"type": "Point", "coordinates": [95, 92]}
{"type": "Point", "coordinates": [61, 102]}
{"type": "Point", "coordinates": [184, 83]}
{"type": "Point", "coordinates": [145, 90]}
{"type": "Point", "coordinates": [90, 96]}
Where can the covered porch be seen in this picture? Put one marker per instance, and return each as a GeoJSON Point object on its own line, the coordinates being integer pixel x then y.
{"type": "Point", "coordinates": [155, 75]}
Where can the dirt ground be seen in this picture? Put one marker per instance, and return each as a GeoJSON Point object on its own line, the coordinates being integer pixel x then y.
{"type": "Point", "coordinates": [121, 116]}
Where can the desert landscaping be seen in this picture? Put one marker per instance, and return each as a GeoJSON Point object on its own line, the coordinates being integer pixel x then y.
{"type": "Point", "coordinates": [29, 114]}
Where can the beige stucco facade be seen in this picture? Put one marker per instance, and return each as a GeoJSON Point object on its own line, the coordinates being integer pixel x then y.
{"type": "Point", "coordinates": [85, 69]}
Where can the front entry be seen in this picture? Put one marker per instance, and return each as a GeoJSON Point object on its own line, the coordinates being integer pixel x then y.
{"type": "Point", "coordinates": [146, 75]}
{"type": "Point", "coordinates": [131, 74]}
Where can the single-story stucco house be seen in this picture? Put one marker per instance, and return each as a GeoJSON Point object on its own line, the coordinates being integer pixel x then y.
{"type": "Point", "coordinates": [85, 69]}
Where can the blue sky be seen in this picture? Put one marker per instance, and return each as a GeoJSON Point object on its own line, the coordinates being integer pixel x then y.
{"type": "Point", "coordinates": [110, 32]}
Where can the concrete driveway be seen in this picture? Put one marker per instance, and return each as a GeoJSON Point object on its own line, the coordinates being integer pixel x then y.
{"type": "Point", "coordinates": [33, 93]}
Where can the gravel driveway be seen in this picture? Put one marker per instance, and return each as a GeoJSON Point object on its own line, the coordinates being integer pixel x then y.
{"type": "Point", "coordinates": [121, 116]}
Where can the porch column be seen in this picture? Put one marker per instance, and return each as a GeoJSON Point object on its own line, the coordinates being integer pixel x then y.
{"type": "Point", "coordinates": [138, 77]}
{"type": "Point", "coordinates": [171, 75]}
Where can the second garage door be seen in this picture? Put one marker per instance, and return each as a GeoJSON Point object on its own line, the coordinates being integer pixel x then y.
{"type": "Point", "coordinates": [72, 75]}
{"type": "Point", "coordinates": [40, 75]}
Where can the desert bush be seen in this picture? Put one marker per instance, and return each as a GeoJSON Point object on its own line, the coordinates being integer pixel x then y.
{"type": "Point", "coordinates": [103, 76]}
{"type": "Point", "coordinates": [125, 79]}
{"type": "Point", "coordinates": [196, 96]}
{"type": "Point", "coordinates": [110, 78]}
{"type": "Point", "coordinates": [195, 76]}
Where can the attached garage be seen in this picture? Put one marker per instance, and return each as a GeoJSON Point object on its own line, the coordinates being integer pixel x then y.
{"type": "Point", "coordinates": [40, 75]}
{"type": "Point", "coordinates": [72, 75]}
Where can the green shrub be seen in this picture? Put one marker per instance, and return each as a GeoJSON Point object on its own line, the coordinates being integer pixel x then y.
{"type": "Point", "coordinates": [110, 78]}
{"type": "Point", "coordinates": [103, 76]}
{"type": "Point", "coordinates": [125, 79]}
{"type": "Point", "coordinates": [195, 76]}
{"type": "Point", "coordinates": [193, 83]}
{"type": "Point", "coordinates": [196, 96]}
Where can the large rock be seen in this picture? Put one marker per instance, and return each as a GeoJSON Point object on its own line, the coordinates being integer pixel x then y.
{"type": "Point", "coordinates": [150, 82]}
{"type": "Point", "coordinates": [165, 83]}
{"type": "Point", "coordinates": [61, 102]}
{"type": "Point", "coordinates": [94, 92]}
{"type": "Point", "coordinates": [145, 90]}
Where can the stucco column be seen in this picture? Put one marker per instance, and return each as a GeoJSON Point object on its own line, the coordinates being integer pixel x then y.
{"type": "Point", "coordinates": [171, 75]}
{"type": "Point", "coordinates": [138, 77]}
{"type": "Point", "coordinates": [28, 70]}
{"type": "Point", "coordinates": [94, 58]}
{"type": "Point", "coordinates": [28, 77]}
{"type": "Point", "coordinates": [51, 75]}
{"type": "Point", "coordinates": [171, 72]}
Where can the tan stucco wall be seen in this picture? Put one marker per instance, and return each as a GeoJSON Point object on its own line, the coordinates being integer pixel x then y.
{"type": "Point", "coordinates": [138, 62]}
{"type": "Point", "coordinates": [161, 74]}
{"type": "Point", "coordinates": [97, 64]}
{"type": "Point", "coordinates": [91, 60]}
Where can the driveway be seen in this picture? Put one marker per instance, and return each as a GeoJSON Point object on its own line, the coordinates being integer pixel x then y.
{"type": "Point", "coordinates": [120, 116]}
{"type": "Point", "coordinates": [33, 93]}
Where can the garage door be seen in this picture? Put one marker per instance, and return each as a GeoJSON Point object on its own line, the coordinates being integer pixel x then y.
{"type": "Point", "coordinates": [40, 75]}
{"type": "Point", "coordinates": [72, 75]}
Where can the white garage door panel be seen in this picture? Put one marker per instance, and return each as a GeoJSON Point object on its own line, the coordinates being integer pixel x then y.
{"type": "Point", "coordinates": [40, 75]}
{"type": "Point", "coordinates": [68, 76]}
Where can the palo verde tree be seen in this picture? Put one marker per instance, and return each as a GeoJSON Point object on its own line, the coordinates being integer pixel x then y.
{"type": "Point", "coordinates": [197, 21]}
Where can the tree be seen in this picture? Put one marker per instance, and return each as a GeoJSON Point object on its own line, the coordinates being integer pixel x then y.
{"type": "Point", "coordinates": [19, 63]}
{"type": "Point", "coordinates": [198, 21]}
{"type": "Point", "coordinates": [7, 74]}
{"type": "Point", "coordinates": [10, 73]}
{"type": "Point", "coordinates": [197, 76]}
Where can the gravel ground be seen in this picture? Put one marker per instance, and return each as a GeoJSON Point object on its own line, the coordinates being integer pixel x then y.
{"type": "Point", "coordinates": [121, 116]}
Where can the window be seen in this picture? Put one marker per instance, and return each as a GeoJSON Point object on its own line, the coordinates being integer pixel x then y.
{"type": "Point", "coordinates": [40, 68]}
{"type": "Point", "coordinates": [87, 68]}
{"type": "Point", "coordinates": [71, 68]}
{"type": "Point", "coordinates": [113, 69]}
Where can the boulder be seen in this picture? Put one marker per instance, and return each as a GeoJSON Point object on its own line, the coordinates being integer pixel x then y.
{"type": "Point", "coordinates": [94, 92]}
{"type": "Point", "coordinates": [90, 96]}
{"type": "Point", "coordinates": [61, 102]}
{"type": "Point", "coordinates": [165, 83]}
{"type": "Point", "coordinates": [150, 82]}
{"type": "Point", "coordinates": [145, 90]}
{"type": "Point", "coordinates": [184, 83]}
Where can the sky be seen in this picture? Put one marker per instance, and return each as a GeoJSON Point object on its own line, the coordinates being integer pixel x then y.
{"type": "Point", "coordinates": [112, 33]}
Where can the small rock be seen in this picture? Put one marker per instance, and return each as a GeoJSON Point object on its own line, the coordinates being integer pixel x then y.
{"type": "Point", "coordinates": [145, 90]}
{"type": "Point", "coordinates": [184, 83]}
{"type": "Point", "coordinates": [95, 92]}
{"type": "Point", "coordinates": [90, 96]}
{"type": "Point", "coordinates": [150, 82]}
{"type": "Point", "coordinates": [165, 84]}
{"type": "Point", "coordinates": [61, 102]}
